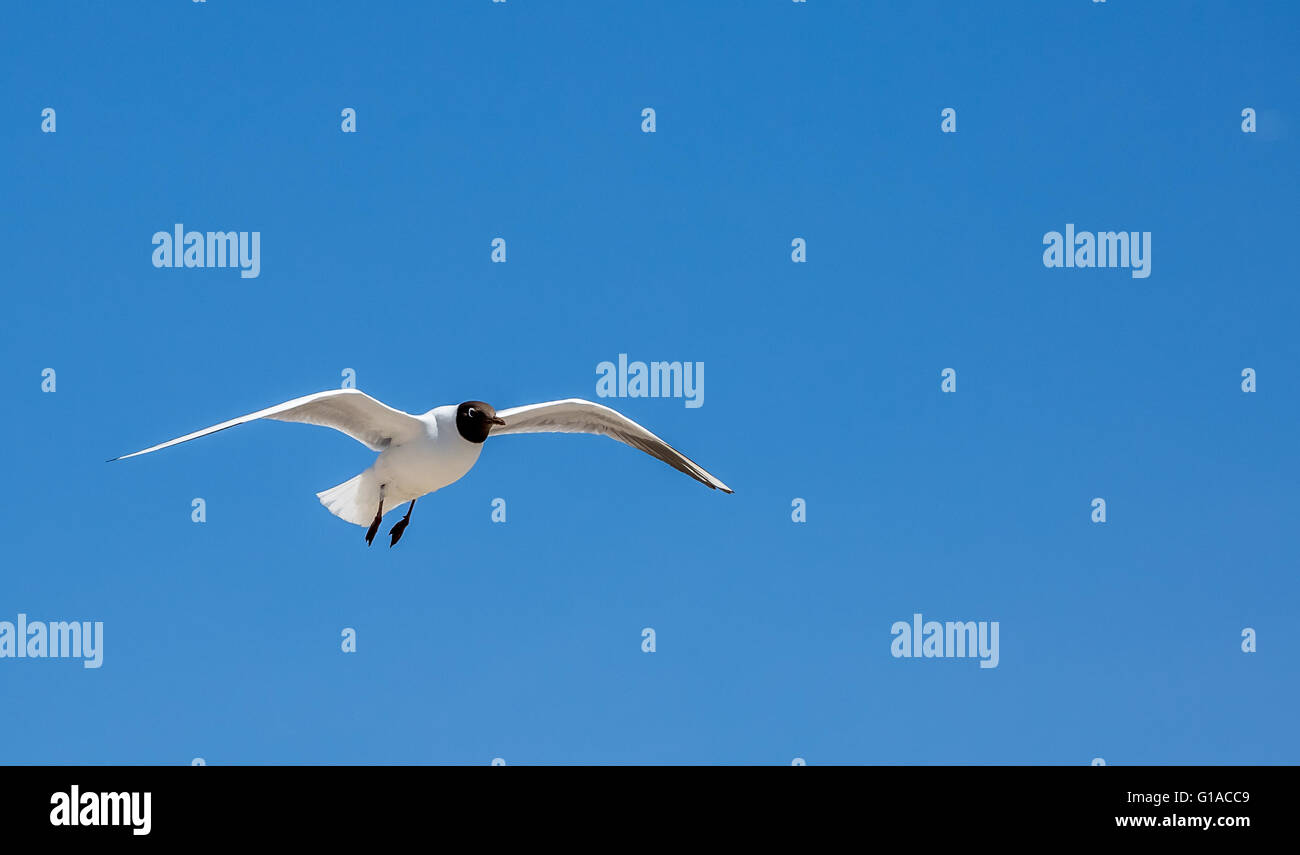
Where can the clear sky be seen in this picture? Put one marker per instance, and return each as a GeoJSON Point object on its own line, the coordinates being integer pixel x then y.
{"type": "Point", "coordinates": [774, 120]}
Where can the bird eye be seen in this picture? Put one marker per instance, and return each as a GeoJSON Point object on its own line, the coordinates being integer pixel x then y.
{"type": "Point", "coordinates": [470, 412]}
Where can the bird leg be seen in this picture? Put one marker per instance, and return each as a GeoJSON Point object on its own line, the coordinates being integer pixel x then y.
{"type": "Point", "coordinates": [379, 514]}
{"type": "Point", "coordinates": [397, 530]}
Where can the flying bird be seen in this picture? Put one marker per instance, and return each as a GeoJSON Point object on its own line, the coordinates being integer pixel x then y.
{"type": "Point", "coordinates": [421, 454]}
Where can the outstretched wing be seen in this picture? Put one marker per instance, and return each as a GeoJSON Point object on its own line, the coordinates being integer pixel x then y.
{"type": "Point", "coordinates": [575, 415]}
{"type": "Point", "coordinates": [374, 424]}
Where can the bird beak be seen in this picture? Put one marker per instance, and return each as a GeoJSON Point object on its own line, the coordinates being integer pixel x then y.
{"type": "Point", "coordinates": [497, 420]}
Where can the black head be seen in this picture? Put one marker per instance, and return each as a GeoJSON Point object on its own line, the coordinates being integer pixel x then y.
{"type": "Point", "coordinates": [474, 420]}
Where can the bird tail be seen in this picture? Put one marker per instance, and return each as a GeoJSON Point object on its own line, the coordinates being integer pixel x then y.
{"type": "Point", "coordinates": [355, 500]}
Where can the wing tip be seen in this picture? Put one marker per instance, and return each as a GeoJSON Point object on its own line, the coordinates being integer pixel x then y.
{"type": "Point", "coordinates": [713, 483]}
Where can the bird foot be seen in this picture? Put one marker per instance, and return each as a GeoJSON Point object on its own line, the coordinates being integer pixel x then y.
{"type": "Point", "coordinates": [374, 527]}
{"type": "Point", "coordinates": [397, 530]}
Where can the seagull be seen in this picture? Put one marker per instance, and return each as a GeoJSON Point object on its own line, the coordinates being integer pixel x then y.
{"type": "Point", "coordinates": [421, 454]}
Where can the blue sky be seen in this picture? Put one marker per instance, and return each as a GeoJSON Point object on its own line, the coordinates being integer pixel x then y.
{"type": "Point", "coordinates": [775, 120]}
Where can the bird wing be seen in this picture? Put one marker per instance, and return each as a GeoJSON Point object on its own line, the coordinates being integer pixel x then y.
{"type": "Point", "coordinates": [370, 422]}
{"type": "Point", "coordinates": [574, 415]}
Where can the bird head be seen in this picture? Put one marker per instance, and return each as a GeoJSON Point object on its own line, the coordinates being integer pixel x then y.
{"type": "Point", "coordinates": [474, 420]}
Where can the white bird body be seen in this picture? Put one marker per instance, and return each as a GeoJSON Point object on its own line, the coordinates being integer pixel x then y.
{"type": "Point", "coordinates": [421, 454]}
{"type": "Point", "coordinates": [436, 458]}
